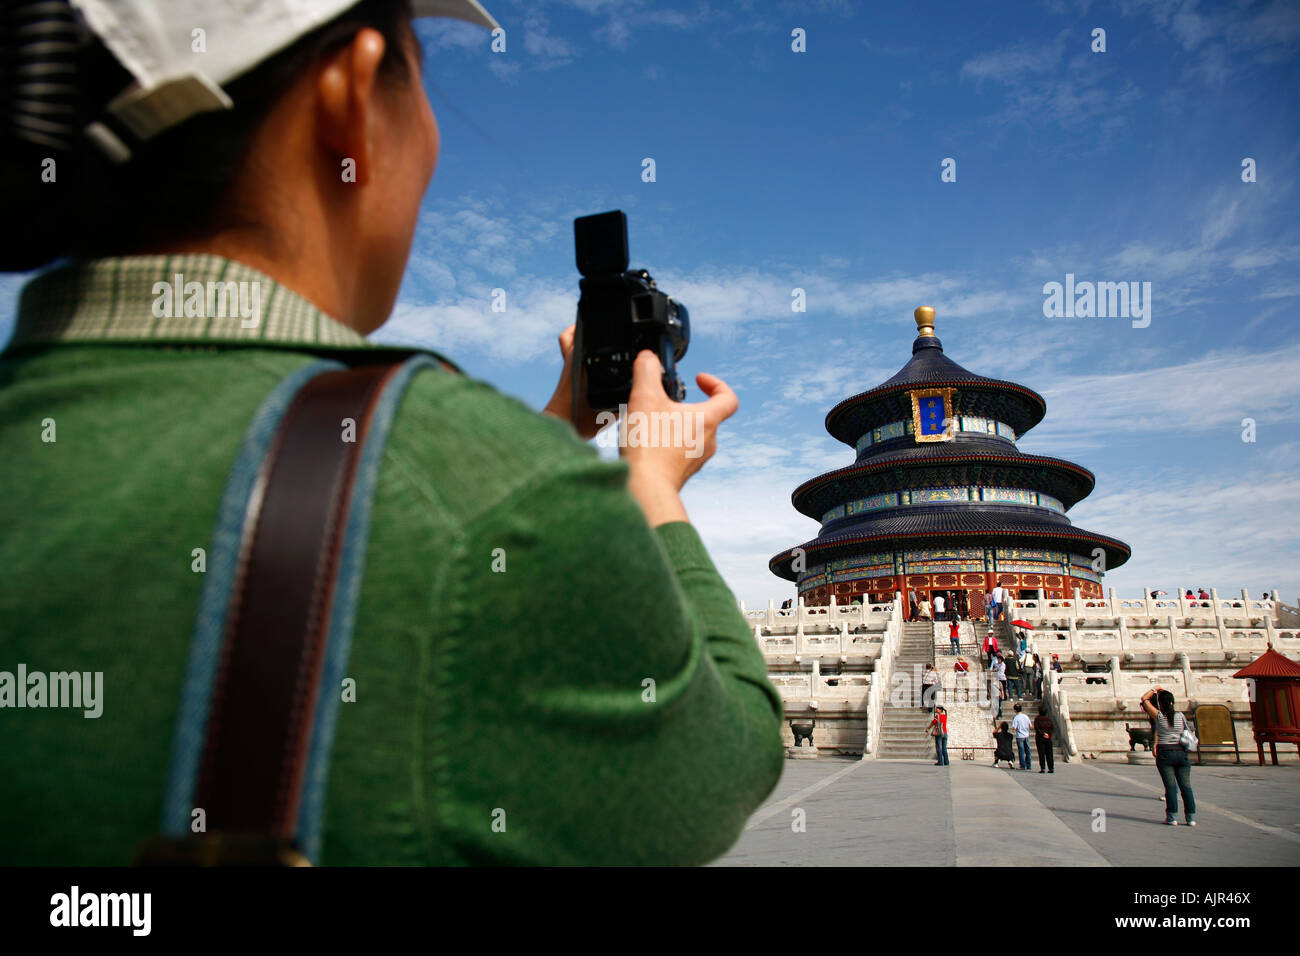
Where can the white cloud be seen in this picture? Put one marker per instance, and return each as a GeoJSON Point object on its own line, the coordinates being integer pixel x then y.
{"type": "Point", "coordinates": [1211, 392]}
{"type": "Point", "coordinates": [1188, 530]}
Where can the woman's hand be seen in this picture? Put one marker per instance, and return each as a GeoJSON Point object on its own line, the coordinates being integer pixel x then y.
{"type": "Point", "coordinates": [657, 470]}
{"type": "Point", "coordinates": [561, 403]}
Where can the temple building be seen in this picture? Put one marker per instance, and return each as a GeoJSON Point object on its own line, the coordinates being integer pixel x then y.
{"type": "Point", "coordinates": [939, 498]}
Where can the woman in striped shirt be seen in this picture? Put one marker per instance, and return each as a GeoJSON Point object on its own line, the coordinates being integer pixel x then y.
{"type": "Point", "coordinates": [1172, 761]}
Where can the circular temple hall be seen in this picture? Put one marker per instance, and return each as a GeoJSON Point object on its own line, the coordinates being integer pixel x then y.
{"type": "Point", "coordinates": [940, 500]}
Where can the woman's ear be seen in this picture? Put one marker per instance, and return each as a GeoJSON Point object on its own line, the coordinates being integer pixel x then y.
{"type": "Point", "coordinates": [345, 107]}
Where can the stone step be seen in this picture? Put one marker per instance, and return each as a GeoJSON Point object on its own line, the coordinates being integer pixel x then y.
{"type": "Point", "coordinates": [905, 728]}
{"type": "Point", "coordinates": [905, 755]}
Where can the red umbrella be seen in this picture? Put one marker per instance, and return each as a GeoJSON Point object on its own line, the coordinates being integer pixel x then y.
{"type": "Point", "coordinates": [1019, 623]}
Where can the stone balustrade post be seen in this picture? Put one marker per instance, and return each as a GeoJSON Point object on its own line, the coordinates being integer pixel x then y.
{"type": "Point", "coordinates": [1214, 602]}
{"type": "Point", "coordinates": [1074, 632]}
{"type": "Point", "coordinates": [1125, 640]}
{"type": "Point", "coordinates": [1146, 600]}
{"type": "Point", "coordinates": [815, 680]}
{"type": "Point", "coordinates": [1078, 603]}
{"type": "Point", "coordinates": [798, 630]}
{"type": "Point", "coordinates": [1116, 610]}
{"type": "Point", "coordinates": [1114, 665]}
{"type": "Point", "coordinates": [771, 612]}
{"type": "Point", "coordinates": [1182, 603]}
{"type": "Point", "coordinates": [1185, 663]}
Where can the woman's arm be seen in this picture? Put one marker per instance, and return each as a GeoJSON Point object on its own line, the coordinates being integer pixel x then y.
{"type": "Point", "coordinates": [620, 707]}
{"type": "Point", "coordinates": [1147, 705]}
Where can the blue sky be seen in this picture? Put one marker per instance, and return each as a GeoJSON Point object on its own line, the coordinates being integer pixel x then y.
{"type": "Point", "coordinates": [821, 170]}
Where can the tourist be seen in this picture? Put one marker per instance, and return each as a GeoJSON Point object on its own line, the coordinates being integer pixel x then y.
{"type": "Point", "coordinates": [911, 604]}
{"type": "Point", "coordinates": [988, 606]}
{"type": "Point", "coordinates": [1204, 595]}
{"type": "Point", "coordinates": [1035, 675]}
{"type": "Point", "coordinates": [995, 692]}
{"type": "Point", "coordinates": [990, 647]}
{"type": "Point", "coordinates": [938, 607]}
{"type": "Point", "coordinates": [1172, 759]}
{"type": "Point", "coordinates": [925, 608]}
{"type": "Point", "coordinates": [999, 595]}
{"type": "Point", "coordinates": [1043, 731]}
{"type": "Point", "coordinates": [939, 730]}
{"type": "Point", "coordinates": [961, 667]}
{"type": "Point", "coordinates": [148, 432]}
{"type": "Point", "coordinates": [1002, 675]}
{"type": "Point", "coordinates": [954, 635]}
{"type": "Point", "coordinates": [1024, 641]}
{"type": "Point", "coordinates": [963, 601]}
{"type": "Point", "coordinates": [1005, 750]}
{"type": "Point", "coordinates": [1011, 663]}
{"type": "Point", "coordinates": [929, 686]}
{"type": "Point", "coordinates": [1020, 723]}
{"type": "Point", "coordinates": [1056, 663]}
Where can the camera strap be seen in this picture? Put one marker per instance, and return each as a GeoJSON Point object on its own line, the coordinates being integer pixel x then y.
{"type": "Point", "coordinates": [272, 637]}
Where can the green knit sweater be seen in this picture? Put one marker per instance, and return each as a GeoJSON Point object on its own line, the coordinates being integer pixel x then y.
{"type": "Point", "coordinates": [500, 716]}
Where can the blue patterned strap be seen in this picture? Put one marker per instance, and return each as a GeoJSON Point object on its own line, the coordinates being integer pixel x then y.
{"type": "Point", "coordinates": [272, 638]}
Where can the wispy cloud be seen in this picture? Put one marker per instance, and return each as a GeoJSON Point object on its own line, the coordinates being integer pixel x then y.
{"type": "Point", "coordinates": [1210, 393]}
{"type": "Point", "coordinates": [1189, 530]}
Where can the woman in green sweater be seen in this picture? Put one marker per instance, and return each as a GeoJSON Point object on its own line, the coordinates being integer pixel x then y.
{"type": "Point", "coordinates": [546, 666]}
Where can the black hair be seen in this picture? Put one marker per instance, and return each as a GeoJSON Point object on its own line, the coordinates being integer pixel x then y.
{"type": "Point", "coordinates": [178, 184]}
{"type": "Point", "coordinates": [1003, 728]}
{"type": "Point", "coordinates": [1165, 700]}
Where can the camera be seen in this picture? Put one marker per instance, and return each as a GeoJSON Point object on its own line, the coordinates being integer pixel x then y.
{"type": "Point", "coordinates": [620, 312]}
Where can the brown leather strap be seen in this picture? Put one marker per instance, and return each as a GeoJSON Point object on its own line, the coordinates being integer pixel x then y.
{"type": "Point", "coordinates": [264, 698]}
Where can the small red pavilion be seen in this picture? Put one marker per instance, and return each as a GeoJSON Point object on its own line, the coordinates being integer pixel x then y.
{"type": "Point", "coordinates": [1275, 705]}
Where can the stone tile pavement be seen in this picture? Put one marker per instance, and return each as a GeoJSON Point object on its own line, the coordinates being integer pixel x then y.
{"type": "Point", "coordinates": [912, 813]}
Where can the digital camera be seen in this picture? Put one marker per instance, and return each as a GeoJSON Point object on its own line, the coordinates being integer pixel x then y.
{"type": "Point", "coordinates": [620, 312]}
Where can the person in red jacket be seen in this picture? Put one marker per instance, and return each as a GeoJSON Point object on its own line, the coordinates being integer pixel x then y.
{"type": "Point", "coordinates": [990, 646]}
{"type": "Point", "coordinates": [939, 730]}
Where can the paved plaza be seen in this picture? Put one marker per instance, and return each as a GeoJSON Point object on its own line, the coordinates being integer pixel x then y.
{"type": "Point", "coordinates": [912, 813]}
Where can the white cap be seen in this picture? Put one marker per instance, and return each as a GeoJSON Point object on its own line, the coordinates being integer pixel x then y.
{"type": "Point", "coordinates": [155, 41]}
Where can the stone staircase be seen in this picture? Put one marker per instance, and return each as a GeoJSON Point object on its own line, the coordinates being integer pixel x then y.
{"type": "Point", "coordinates": [903, 728]}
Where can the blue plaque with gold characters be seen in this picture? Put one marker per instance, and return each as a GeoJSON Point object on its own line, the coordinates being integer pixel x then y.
{"type": "Point", "coordinates": [932, 414]}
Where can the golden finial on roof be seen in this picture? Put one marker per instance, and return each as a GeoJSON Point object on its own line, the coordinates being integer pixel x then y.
{"type": "Point", "coordinates": [925, 321]}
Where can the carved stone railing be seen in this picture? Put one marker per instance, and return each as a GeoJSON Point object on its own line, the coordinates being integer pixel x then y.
{"type": "Point", "coordinates": [1058, 708]}
{"type": "Point", "coordinates": [822, 614]}
{"type": "Point", "coordinates": [1251, 610]}
{"type": "Point", "coordinates": [881, 678]}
